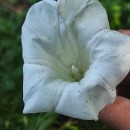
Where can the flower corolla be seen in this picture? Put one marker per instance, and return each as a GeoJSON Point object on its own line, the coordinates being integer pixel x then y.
{"type": "Point", "coordinates": [72, 60]}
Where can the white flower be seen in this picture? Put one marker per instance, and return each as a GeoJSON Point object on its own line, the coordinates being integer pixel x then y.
{"type": "Point", "coordinates": [72, 60]}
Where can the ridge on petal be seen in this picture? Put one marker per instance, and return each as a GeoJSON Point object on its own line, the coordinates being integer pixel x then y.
{"type": "Point", "coordinates": [70, 8]}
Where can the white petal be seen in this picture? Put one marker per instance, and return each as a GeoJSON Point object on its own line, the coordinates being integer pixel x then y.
{"type": "Point", "coordinates": [40, 31]}
{"type": "Point", "coordinates": [44, 54]}
{"type": "Point", "coordinates": [68, 9]}
{"type": "Point", "coordinates": [84, 17]}
{"type": "Point", "coordinates": [42, 89]}
{"type": "Point", "coordinates": [109, 65]}
{"type": "Point", "coordinates": [80, 21]}
{"type": "Point", "coordinates": [84, 99]}
{"type": "Point", "coordinates": [110, 56]}
{"type": "Point", "coordinates": [44, 35]}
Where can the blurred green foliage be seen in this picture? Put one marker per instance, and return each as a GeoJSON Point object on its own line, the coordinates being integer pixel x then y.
{"type": "Point", "coordinates": [12, 14]}
{"type": "Point", "coordinates": [118, 13]}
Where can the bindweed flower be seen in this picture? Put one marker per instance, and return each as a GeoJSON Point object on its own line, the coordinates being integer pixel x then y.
{"type": "Point", "coordinates": [72, 60]}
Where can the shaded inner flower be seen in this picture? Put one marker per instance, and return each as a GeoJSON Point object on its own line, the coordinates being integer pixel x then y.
{"type": "Point", "coordinates": [70, 66]}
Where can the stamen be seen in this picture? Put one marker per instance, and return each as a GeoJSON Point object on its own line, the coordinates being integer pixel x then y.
{"type": "Point", "coordinates": [75, 72]}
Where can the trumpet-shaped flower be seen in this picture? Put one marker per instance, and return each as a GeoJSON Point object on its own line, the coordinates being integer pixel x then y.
{"type": "Point", "coordinates": [72, 60]}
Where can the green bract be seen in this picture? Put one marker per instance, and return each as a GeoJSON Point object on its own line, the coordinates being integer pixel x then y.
{"type": "Point", "coordinates": [72, 60]}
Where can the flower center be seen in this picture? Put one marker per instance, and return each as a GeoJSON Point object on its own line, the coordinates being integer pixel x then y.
{"type": "Point", "coordinates": [76, 73]}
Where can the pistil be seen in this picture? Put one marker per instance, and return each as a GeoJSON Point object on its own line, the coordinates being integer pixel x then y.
{"type": "Point", "coordinates": [76, 74]}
